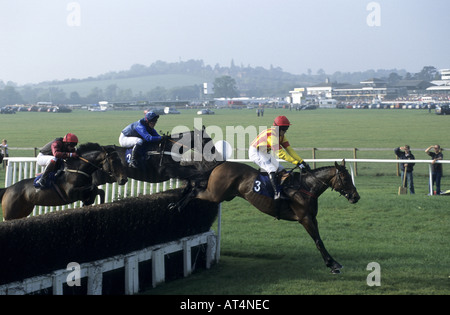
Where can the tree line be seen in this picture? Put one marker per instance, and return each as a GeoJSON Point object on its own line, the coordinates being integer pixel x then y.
{"type": "Point", "coordinates": [228, 81]}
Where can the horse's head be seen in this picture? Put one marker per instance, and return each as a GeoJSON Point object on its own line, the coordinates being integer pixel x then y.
{"type": "Point", "coordinates": [342, 182]}
{"type": "Point", "coordinates": [195, 145]}
{"type": "Point", "coordinates": [103, 158]}
{"type": "Point", "coordinates": [112, 165]}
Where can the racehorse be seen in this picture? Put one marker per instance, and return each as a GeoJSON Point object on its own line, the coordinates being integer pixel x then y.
{"type": "Point", "coordinates": [164, 160]}
{"type": "Point", "coordinates": [301, 190]}
{"type": "Point", "coordinates": [73, 184]}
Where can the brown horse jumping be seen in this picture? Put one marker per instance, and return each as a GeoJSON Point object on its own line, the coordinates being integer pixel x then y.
{"type": "Point", "coordinates": [230, 179]}
{"type": "Point", "coordinates": [74, 184]}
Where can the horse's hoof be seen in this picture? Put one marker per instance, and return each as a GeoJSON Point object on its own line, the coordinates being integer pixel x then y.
{"type": "Point", "coordinates": [335, 271]}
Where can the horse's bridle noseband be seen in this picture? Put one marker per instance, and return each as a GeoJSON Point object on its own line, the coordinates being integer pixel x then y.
{"type": "Point", "coordinates": [341, 182]}
{"type": "Point", "coordinates": [332, 182]}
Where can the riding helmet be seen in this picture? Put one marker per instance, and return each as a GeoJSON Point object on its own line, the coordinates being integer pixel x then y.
{"type": "Point", "coordinates": [150, 115]}
{"type": "Point", "coordinates": [281, 121]}
{"type": "Point", "coordinates": [71, 138]}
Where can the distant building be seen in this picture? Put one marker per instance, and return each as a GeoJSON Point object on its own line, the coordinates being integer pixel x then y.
{"type": "Point", "coordinates": [441, 86]}
{"type": "Point", "coordinates": [297, 95]}
{"type": "Point", "coordinates": [369, 90]}
{"type": "Point", "coordinates": [445, 74]}
{"type": "Point", "coordinates": [413, 86]}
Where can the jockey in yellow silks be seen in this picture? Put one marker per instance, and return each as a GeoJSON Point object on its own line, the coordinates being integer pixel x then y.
{"type": "Point", "coordinates": [272, 144]}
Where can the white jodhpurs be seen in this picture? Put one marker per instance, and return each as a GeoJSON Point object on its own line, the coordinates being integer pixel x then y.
{"type": "Point", "coordinates": [128, 142]}
{"type": "Point", "coordinates": [44, 160]}
{"type": "Point", "coordinates": [264, 160]}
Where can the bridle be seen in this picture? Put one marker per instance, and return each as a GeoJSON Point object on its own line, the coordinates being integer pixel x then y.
{"type": "Point", "coordinates": [98, 167]}
{"type": "Point", "coordinates": [331, 184]}
{"type": "Point", "coordinates": [341, 183]}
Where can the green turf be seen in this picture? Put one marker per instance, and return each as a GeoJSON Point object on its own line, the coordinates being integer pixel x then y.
{"type": "Point", "coordinates": [407, 235]}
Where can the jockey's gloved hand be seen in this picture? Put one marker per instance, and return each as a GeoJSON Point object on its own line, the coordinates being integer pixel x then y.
{"type": "Point", "coordinates": [73, 155]}
{"type": "Point", "coordinates": [304, 166]}
{"type": "Point", "coordinates": [164, 138]}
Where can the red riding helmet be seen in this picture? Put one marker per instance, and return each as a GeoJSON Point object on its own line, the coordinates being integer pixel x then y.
{"type": "Point", "coordinates": [281, 121]}
{"type": "Point", "coordinates": [71, 138]}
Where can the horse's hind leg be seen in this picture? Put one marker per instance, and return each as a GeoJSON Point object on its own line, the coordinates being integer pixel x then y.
{"type": "Point", "coordinates": [17, 212]}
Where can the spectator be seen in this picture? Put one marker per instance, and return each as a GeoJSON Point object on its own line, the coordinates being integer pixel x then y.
{"type": "Point", "coordinates": [4, 149]}
{"type": "Point", "coordinates": [404, 153]}
{"type": "Point", "coordinates": [436, 168]}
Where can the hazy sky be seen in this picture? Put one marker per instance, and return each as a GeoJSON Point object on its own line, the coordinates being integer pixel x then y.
{"type": "Point", "coordinates": [59, 39]}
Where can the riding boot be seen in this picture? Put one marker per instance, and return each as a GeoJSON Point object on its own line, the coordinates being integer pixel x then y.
{"type": "Point", "coordinates": [42, 182]}
{"type": "Point", "coordinates": [134, 156]}
{"type": "Point", "coordinates": [273, 181]}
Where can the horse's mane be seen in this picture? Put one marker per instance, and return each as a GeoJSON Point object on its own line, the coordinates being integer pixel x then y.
{"type": "Point", "coordinates": [298, 177]}
{"type": "Point", "coordinates": [323, 168]}
{"type": "Point", "coordinates": [88, 147]}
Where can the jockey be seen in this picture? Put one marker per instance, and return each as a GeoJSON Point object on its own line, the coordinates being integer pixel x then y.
{"type": "Point", "coordinates": [52, 152]}
{"type": "Point", "coordinates": [135, 134]}
{"type": "Point", "coordinates": [265, 150]}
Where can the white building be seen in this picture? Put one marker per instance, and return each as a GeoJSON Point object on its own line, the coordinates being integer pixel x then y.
{"type": "Point", "coordinates": [441, 86]}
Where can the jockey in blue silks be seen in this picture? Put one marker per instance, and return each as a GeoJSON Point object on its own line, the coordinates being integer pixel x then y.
{"type": "Point", "coordinates": [135, 134]}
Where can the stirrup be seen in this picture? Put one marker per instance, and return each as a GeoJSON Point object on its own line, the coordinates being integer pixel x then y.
{"type": "Point", "coordinates": [41, 182]}
{"type": "Point", "coordinates": [277, 195]}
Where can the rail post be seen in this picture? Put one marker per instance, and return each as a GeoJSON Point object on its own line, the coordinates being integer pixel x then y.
{"type": "Point", "coordinates": [355, 164]}
{"type": "Point", "coordinates": [314, 156]}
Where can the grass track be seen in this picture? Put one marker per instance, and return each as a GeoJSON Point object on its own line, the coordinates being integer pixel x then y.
{"type": "Point", "coordinates": [407, 235]}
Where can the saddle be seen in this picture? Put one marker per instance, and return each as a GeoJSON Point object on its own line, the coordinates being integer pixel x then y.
{"type": "Point", "coordinates": [51, 179]}
{"type": "Point", "coordinates": [262, 185]}
{"type": "Point", "coordinates": [149, 151]}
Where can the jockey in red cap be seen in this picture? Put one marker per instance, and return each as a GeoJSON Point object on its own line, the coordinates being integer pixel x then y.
{"type": "Point", "coordinates": [52, 152]}
{"type": "Point", "coordinates": [271, 144]}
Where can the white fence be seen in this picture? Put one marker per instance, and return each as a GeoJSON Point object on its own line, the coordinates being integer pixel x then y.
{"type": "Point", "coordinates": [22, 168]}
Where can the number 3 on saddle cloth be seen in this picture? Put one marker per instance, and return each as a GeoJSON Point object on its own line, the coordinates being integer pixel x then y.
{"type": "Point", "coordinates": [263, 186]}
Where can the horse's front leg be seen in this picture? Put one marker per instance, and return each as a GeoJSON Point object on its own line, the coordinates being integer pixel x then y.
{"type": "Point", "coordinates": [187, 195]}
{"type": "Point", "coordinates": [311, 226]}
{"type": "Point", "coordinates": [93, 193]}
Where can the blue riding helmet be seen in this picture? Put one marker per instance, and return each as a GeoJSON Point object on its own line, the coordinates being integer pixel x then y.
{"type": "Point", "coordinates": [150, 116]}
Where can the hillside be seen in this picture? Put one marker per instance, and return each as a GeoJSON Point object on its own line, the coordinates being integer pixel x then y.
{"type": "Point", "coordinates": [136, 84]}
{"type": "Point", "coordinates": [180, 80]}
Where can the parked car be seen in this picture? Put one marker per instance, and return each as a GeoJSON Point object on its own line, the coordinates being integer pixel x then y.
{"type": "Point", "coordinates": [171, 110]}
{"type": "Point", "coordinates": [205, 112]}
{"type": "Point", "coordinates": [7, 110]}
{"type": "Point", "coordinates": [442, 109]}
{"type": "Point", "coordinates": [157, 111]}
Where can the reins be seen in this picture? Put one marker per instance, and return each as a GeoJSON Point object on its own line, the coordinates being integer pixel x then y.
{"type": "Point", "coordinates": [90, 163]}
{"type": "Point", "coordinates": [319, 180]}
